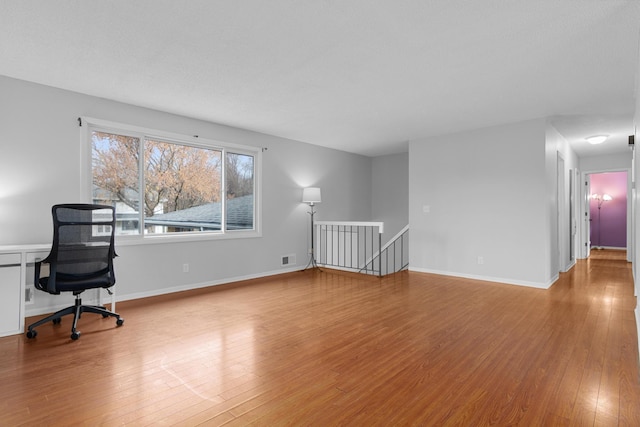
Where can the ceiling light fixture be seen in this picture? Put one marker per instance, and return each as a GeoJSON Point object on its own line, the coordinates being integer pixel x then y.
{"type": "Point", "coordinates": [597, 139]}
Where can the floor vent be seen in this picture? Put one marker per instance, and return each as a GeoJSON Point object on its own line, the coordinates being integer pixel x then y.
{"type": "Point", "coordinates": [288, 260]}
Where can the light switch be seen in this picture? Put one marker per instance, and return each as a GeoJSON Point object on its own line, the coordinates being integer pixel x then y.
{"type": "Point", "coordinates": [426, 209]}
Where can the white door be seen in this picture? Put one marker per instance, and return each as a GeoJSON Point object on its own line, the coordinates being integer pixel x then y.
{"type": "Point", "coordinates": [563, 227]}
{"type": "Point", "coordinates": [587, 216]}
{"type": "Point", "coordinates": [572, 216]}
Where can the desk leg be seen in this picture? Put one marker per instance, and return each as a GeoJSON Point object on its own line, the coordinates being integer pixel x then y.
{"type": "Point", "coordinates": [102, 300]}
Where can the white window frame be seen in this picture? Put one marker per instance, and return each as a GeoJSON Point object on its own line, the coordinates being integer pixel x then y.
{"type": "Point", "coordinates": [89, 124]}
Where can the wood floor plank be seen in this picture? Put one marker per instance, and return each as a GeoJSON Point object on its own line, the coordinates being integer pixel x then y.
{"type": "Point", "coordinates": [334, 348]}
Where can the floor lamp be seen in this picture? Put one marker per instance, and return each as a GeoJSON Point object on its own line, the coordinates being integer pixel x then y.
{"type": "Point", "coordinates": [311, 196]}
{"type": "Point", "coordinates": [600, 200]}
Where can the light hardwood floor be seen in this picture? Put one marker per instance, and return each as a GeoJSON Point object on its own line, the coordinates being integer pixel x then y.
{"type": "Point", "coordinates": [322, 349]}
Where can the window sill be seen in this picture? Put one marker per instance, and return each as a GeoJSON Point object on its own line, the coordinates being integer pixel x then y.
{"type": "Point", "coordinates": [137, 240]}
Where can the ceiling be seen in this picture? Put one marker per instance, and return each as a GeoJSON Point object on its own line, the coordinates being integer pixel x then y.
{"type": "Point", "coordinates": [364, 76]}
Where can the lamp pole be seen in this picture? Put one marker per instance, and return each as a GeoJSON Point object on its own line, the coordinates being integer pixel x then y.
{"type": "Point", "coordinates": [599, 207]}
{"type": "Point", "coordinates": [600, 200]}
{"type": "Point", "coordinates": [311, 196]}
{"type": "Point", "coordinates": [312, 260]}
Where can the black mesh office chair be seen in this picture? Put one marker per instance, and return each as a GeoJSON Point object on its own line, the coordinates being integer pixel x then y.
{"type": "Point", "coordinates": [81, 258]}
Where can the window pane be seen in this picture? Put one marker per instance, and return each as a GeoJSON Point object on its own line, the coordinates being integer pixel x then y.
{"type": "Point", "coordinates": [182, 188]}
{"type": "Point", "coordinates": [239, 191]}
{"type": "Point", "coordinates": [162, 185]}
{"type": "Point", "coordinates": [116, 177]}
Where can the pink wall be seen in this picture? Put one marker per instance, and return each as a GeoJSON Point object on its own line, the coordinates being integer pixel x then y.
{"type": "Point", "coordinates": [612, 230]}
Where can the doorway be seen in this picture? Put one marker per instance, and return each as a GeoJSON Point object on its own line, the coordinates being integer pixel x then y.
{"type": "Point", "coordinates": [607, 211]}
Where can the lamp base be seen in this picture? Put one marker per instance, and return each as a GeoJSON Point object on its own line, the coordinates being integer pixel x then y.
{"type": "Point", "coordinates": [312, 264]}
{"type": "Point", "coordinates": [312, 260]}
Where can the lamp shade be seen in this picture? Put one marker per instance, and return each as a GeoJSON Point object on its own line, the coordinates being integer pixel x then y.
{"type": "Point", "coordinates": [311, 195]}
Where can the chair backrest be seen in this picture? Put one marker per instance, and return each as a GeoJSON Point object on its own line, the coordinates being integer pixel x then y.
{"type": "Point", "coordinates": [83, 245]}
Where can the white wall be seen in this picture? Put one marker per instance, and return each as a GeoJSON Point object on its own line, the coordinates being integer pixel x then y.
{"type": "Point", "coordinates": [611, 162]}
{"type": "Point", "coordinates": [636, 201]}
{"type": "Point", "coordinates": [559, 200]}
{"type": "Point", "coordinates": [487, 192]}
{"type": "Point", "coordinates": [40, 166]}
{"type": "Point", "coordinates": [390, 199]}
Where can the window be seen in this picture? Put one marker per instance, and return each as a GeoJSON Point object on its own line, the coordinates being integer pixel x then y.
{"type": "Point", "coordinates": [163, 186]}
{"type": "Point", "coordinates": [239, 191]}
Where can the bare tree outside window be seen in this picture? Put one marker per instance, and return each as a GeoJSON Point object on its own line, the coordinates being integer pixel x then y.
{"type": "Point", "coordinates": [239, 182]}
{"type": "Point", "coordinates": [182, 184]}
{"type": "Point", "coordinates": [239, 175]}
{"type": "Point", "coordinates": [178, 177]}
{"type": "Point", "coordinates": [115, 168]}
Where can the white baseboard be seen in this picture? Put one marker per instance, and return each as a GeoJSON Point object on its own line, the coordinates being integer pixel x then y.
{"type": "Point", "coordinates": [57, 303]}
{"type": "Point", "coordinates": [538, 285]}
{"type": "Point", "coordinates": [157, 292]}
{"type": "Point", "coordinates": [569, 266]}
{"type": "Point", "coordinates": [637, 312]}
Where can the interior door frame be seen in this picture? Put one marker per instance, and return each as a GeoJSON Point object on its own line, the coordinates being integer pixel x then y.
{"type": "Point", "coordinates": [564, 262]}
{"type": "Point", "coordinates": [585, 242]}
{"type": "Point", "coordinates": [586, 224]}
{"type": "Point", "coordinates": [574, 174]}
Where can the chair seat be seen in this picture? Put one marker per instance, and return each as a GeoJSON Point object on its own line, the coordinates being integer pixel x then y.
{"type": "Point", "coordinates": [77, 284]}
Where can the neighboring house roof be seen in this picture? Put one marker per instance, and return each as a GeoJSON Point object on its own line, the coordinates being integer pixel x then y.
{"type": "Point", "coordinates": [102, 195]}
{"type": "Point", "coordinates": [239, 215]}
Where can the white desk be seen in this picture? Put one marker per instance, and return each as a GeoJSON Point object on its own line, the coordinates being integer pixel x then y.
{"type": "Point", "coordinates": [14, 261]}
{"type": "Point", "coordinates": [13, 268]}
{"type": "Point", "coordinates": [11, 301]}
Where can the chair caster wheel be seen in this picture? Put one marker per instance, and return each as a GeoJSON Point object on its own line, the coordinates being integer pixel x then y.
{"type": "Point", "coordinates": [104, 316]}
{"type": "Point", "coordinates": [119, 322]}
{"type": "Point", "coordinates": [57, 321]}
{"type": "Point", "coordinates": [75, 335]}
{"type": "Point", "coordinates": [32, 334]}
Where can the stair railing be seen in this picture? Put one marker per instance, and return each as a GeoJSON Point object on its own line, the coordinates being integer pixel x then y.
{"type": "Point", "coordinates": [349, 245]}
{"type": "Point", "coordinates": [394, 255]}
{"type": "Point", "coordinates": [356, 246]}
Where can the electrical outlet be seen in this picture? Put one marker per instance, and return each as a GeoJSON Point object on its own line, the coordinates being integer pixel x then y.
{"type": "Point", "coordinates": [29, 295]}
{"type": "Point", "coordinates": [185, 268]}
{"type": "Point", "coordinates": [480, 260]}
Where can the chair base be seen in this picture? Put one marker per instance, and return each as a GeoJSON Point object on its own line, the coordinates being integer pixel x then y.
{"type": "Point", "coordinates": [77, 311]}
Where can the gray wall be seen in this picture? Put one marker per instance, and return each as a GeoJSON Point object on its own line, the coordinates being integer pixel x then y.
{"type": "Point", "coordinates": [481, 202]}
{"type": "Point", "coordinates": [605, 163]}
{"type": "Point", "coordinates": [561, 226]}
{"type": "Point", "coordinates": [635, 234]}
{"type": "Point", "coordinates": [390, 199]}
{"type": "Point", "coordinates": [490, 194]}
{"type": "Point", "coordinates": [40, 165]}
